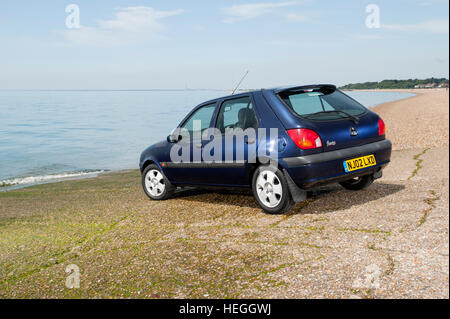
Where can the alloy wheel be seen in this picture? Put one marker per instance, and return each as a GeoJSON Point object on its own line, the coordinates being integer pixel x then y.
{"type": "Point", "coordinates": [268, 188]}
{"type": "Point", "coordinates": [154, 182]}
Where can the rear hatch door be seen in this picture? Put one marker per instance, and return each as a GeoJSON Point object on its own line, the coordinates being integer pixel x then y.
{"type": "Point", "coordinates": [344, 133]}
{"type": "Point", "coordinates": [340, 121]}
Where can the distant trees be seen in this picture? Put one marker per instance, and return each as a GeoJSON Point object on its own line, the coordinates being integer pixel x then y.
{"type": "Point", "coordinates": [398, 84]}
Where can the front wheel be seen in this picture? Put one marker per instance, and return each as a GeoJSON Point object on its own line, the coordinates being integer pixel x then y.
{"type": "Point", "coordinates": [271, 190]}
{"type": "Point", "coordinates": [358, 183]}
{"type": "Point", "coordinates": [155, 184]}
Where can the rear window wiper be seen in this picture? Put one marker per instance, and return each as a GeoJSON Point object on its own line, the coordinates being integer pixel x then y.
{"type": "Point", "coordinates": [354, 118]}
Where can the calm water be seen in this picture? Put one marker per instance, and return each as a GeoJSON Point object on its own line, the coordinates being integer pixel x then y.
{"type": "Point", "coordinates": [49, 135]}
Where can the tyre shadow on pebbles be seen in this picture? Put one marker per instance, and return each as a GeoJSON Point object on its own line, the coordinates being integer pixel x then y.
{"type": "Point", "coordinates": [326, 199]}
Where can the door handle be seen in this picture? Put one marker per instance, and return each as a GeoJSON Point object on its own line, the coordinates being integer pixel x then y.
{"type": "Point", "coordinates": [198, 145]}
{"type": "Point", "coordinates": [249, 140]}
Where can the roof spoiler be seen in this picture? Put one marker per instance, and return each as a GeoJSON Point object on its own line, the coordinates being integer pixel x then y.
{"type": "Point", "coordinates": [304, 87]}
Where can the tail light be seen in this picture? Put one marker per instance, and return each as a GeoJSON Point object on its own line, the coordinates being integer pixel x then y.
{"type": "Point", "coordinates": [381, 127]}
{"type": "Point", "coordinates": [305, 138]}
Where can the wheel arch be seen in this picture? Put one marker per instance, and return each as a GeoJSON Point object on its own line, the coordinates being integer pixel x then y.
{"type": "Point", "coordinates": [252, 167]}
{"type": "Point", "coordinates": [148, 162]}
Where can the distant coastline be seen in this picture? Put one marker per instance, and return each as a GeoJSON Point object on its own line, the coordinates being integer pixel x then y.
{"type": "Point", "coordinates": [429, 83]}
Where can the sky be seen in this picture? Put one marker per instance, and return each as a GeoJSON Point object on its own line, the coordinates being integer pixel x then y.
{"type": "Point", "coordinates": [120, 44]}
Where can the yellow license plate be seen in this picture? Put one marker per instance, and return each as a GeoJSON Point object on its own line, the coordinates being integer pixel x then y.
{"type": "Point", "coordinates": [359, 163]}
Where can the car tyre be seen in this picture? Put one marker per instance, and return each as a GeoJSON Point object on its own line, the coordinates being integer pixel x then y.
{"type": "Point", "coordinates": [155, 183]}
{"type": "Point", "coordinates": [271, 190]}
{"type": "Point", "coordinates": [358, 183]}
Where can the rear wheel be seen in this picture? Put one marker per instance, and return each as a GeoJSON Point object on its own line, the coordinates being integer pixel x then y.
{"type": "Point", "coordinates": [358, 183]}
{"type": "Point", "coordinates": [271, 190]}
{"type": "Point", "coordinates": [155, 184]}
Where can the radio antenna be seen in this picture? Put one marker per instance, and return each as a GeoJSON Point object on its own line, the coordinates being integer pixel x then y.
{"type": "Point", "coordinates": [242, 79]}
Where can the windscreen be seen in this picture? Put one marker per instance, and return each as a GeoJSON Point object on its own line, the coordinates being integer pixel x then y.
{"type": "Point", "coordinates": [322, 104]}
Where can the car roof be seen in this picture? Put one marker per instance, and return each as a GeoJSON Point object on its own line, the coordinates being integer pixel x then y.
{"type": "Point", "coordinates": [275, 90]}
{"type": "Point", "coordinates": [238, 95]}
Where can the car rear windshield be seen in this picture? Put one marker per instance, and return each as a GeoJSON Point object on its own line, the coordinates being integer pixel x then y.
{"type": "Point", "coordinates": [324, 103]}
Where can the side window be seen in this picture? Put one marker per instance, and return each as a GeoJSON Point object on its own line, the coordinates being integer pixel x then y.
{"type": "Point", "coordinates": [236, 113]}
{"type": "Point", "coordinates": [204, 115]}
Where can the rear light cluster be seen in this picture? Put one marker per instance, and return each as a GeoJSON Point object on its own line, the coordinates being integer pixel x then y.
{"type": "Point", "coordinates": [381, 127]}
{"type": "Point", "coordinates": [305, 138]}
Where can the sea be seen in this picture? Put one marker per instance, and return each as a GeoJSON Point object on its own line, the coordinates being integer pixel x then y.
{"type": "Point", "coordinates": [48, 136]}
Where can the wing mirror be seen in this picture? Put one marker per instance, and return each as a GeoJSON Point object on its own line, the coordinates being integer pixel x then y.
{"type": "Point", "coordinates": [173, 138]}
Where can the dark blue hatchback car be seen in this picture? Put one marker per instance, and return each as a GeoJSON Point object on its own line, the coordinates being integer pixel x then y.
{"type": "Point", "coordinates": [279, 142]}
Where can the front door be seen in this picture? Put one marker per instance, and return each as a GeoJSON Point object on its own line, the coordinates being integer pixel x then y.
{"type": "Point", "coordinates": [191, 170]}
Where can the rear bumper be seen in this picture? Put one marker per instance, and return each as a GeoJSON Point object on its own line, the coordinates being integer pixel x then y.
{"type": "Point", "coordinates": [323, 168]}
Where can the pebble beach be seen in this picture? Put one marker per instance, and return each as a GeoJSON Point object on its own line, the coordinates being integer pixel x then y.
{"type": "Point", "coordinates": [388, 241]}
